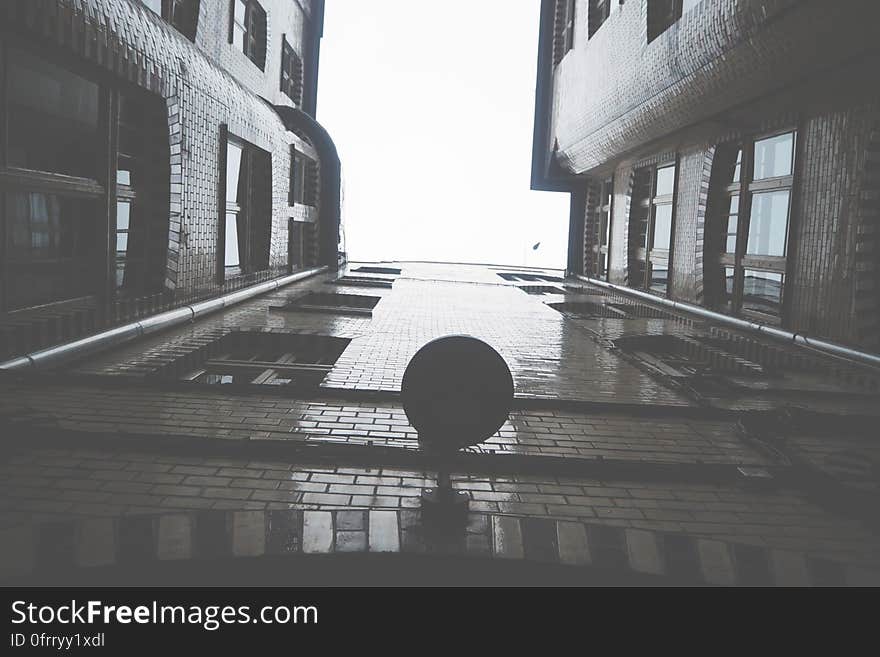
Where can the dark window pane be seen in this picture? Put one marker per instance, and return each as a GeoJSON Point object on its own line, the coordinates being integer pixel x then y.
{"type": "Point", "coordinates": [659, 275]}
{"type": "Point", "coordinates": [52, 244]}
{"type": "Point", "coordinates": [53, 118]}
{"type": "Point", "coordinates": [637, 274]}
{"type": "Point", "coordinates": [768, 223]}
{"type": "Point", "coordinates": [774, 156]}
{"type": "Point", "coordinates": [762, 292]}
{"type": "Point", "coordinates": [662, 226]}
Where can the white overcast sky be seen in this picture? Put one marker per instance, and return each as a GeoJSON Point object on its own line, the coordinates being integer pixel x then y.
{"type": "Point", "coordinates": [430, 103]}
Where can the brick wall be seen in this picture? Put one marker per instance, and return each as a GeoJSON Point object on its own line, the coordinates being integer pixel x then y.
{"type": "Point", "coordinates": [832, 242]}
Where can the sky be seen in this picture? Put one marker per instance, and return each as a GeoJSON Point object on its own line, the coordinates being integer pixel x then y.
{"type": "Point", "coordinates": [430, 104]}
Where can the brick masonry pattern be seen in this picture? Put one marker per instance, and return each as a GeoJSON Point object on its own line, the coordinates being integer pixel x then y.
{"type": "Point", "coordinates": [205, 84]}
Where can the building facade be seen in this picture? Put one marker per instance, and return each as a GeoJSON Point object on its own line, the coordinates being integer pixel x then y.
{"type": "Point", "coordinates": [155, 153]}
{"type": "Point", "coordinates": [643, 446]}
{"type": "Point", "coordinates": [241, 421]}
{"type": "Point", "coordinates": [719, 153]}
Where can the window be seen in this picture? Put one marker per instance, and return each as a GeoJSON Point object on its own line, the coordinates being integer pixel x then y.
{"type": "Point", "coordinates": [364, 281]}
{"type": "Point", "coordinates": [278, 359]}
{"type": "Point", "coordinates": [247, 30]}
{"type": "Point", "coordinates": [652, 215]}
{"type": "Point", "coordinates": [303, 179]}
{"type": "Point", "coordinates": [182, 14]}
{"type": "Point", "coordinates": [601, 223]}
{"type": "Point", "coordinates": [328, 302]}
{"type": "Point", "coordinates": [83, 166]}
{"type": "Point", "coordinates": [296, 254]}
{"type": "Point", "coordinates": [53, 118]}
{"type": "Point", "coordinates": [296, 193]}
{"type": "Point", "coordinates": [378, 270]}
{"type": "Point", "coordinates": [291, 73]}
{"type": "Point", "coordinates": [663, 14]}
{"type": "Point", "coordinates": [141, 194]}
{"type": "Point", "coordinates": [51, 191]}
{"type": "Point", "coordinates": [752, 186]}
{"type": "Point", "coordinates": [521, 276]}
{"type": "Point", "coordinates": [541, 289]}
{"type": "Point", "coordinates": [247, 209]}
{"type": "Point", "coordinates": [568, 25]}
{"type": "Point", "coordinates": [599, 12]}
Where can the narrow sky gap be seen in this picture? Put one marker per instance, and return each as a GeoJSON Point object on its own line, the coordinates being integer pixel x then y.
{"type": "Point", "coordinates": [430, 105]}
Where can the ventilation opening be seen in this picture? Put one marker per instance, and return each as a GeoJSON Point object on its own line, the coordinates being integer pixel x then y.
{"type": "Point", "coordinates": [711, 368]}
{"type": "Point", "coordinates": [514, 277]}
{"type": "Point", "coordinates": [328, 302]}
{"type": "Point", "coordinates": [777, 358]}
{"type": "Point", "coordinates": [541, 289]}
{"type": "Point", "coordinates": [378, 270]}
{"type": "Point", "coordinates": [587, 310]}
{"type": "Point", "coordinates": [676, 356]}
{"type": "Point", "coordinates": [260, 358]}
{"type": "Point", "coordinates": [363, 281]}
{"type": "Point", "coordinates": [592, 310]}
{"type": "Point", "coordinates": [583, 289]}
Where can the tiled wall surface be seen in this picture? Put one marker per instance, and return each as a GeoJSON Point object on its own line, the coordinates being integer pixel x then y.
{"type": "Point", "coordinates": [616, 91]}
{"type": "Point", "coordinates": [205, 84]}
{"type": "Point", "coordinates": [723, 72]}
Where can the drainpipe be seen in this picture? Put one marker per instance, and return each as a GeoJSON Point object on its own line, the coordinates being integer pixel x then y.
{"type": "Point", "coordinates": [798, 339]}
{"type": "Point", "coordinates": [330, 179]}
{"type": "Point", "coordinates": [59, 354]}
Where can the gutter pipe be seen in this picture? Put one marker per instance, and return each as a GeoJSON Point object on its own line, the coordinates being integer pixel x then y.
{"type": "Point", "coordinates": [798, 339]}
{"type": "Point", "coordinates": [58, 354]}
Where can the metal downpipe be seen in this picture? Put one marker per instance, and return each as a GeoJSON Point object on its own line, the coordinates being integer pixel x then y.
{"type": "Point", "coordinates": [829, 348]}
{"type": "Point", "coordinates": [58, 354]}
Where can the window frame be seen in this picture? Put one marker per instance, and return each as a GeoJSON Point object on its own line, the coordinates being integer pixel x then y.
{"type": "Point", "coordinates": [101, 189]}
{"type": "Point", "coordinates": [598, 11]}
{"type": "Point", "coordinates": [170, 12]}
{"type": "Point", "coordinates": [252, 47]}
{"type": "Point", "coordinates": [646, 253]}
{"type": "Point", "coordinates": [296, 252]}
{"type": "Point", "coordinates": [602, 217]}
{"type": "Point", "coordinates": [293, 88]}
{"type": "Point", "coordinates": [247, 209]}
{"type": "Point", "coordinates": [568, 25]}
{"type": "Point", "coordinates": [104, 188]}
{"type": "Point", "coordinates": [658, 24]}
{"type": "Point", "coordinates": [740, 260]}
